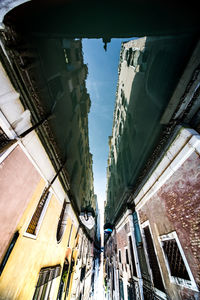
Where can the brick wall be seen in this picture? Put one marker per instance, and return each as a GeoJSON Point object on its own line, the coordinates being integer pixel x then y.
{"type": "Point", "coordinates": [176, 206]}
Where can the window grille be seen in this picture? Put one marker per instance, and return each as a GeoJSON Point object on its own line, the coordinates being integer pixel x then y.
{"type": "Point", "coordinates": [4, 139]}
{"type": "Point", "coordinates": [37, 214]}
{"type": "Point", "coordinates": [175, 260]}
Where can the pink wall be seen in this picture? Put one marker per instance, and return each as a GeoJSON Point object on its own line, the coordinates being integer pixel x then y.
{"type": "Point", "coordinates": [18, 180]}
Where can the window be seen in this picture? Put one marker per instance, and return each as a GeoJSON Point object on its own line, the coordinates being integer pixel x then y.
{"type": "Point", "coordinates": [38, 215]}
{"type": "Point", "coordinates": [127, 258]}
{"type": "Point", "coordinates": [70, 84]}
{"type": "Point", "coordinates": [77, 53]}
{"type": "Point", "coordinates": [64, 275]}
{"type": "Point", "coordinates": [70, 276]}
{"type": "Point", "coordinates": [56, 87]}
{"type": "Point", "coordinates": [121, 290]}
{"type": "Point", "coordinates": [83, 270]}
{"type": "Point", "coordinates": [74, 171]}
{"type": "Point", "coordinates": [44, 285]}
{"type": "Point", "coordinates": [132, 256]}
{"type": "Point", "coordinates": [76, 79]}
{"type": "Point", "coordinates": [67, 53]}
{"type": "Point", "coordinates": [113, 279]}
{"type": "Point", "coordinates": [129, 56]}
{"type": "Point", "coordinates": [120, 259]}
{"type": "Point", "coordinates": [176, 262]}
{"type": "Point", "coordinates": [74, 98]}
{"type": "Point", "coordinates": [152, 258]}
{"type": "Point", "coordinates": [131, 291]}
{"type": "Point", "coordinates": [62, 223]}
{"type": "Point", "coordinates": [68, 244]}
{"type": "Point", "coordinates": [108, 271]}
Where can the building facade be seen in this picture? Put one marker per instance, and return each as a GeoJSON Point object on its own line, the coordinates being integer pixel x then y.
{"type": "Point", "coordinates": [149, 70]}
{"type": "Point", "coordinates": [155, 235]}
{"type": "Point", "coordinates": [170, 233]}
{"type": "Point", "coordinates": [42, 232]}
{"type": "Point", "coordinates": [83, 273]}
{"type": "Point", "coordinates": [36, 214]}
{"type": "Point", "coordinates": [54, 75]}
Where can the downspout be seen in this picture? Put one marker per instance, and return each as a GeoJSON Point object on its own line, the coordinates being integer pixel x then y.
{"type": "Point", "coordinates": [137, 263]}
{"type": "Point", "coordinates": [25, 133]}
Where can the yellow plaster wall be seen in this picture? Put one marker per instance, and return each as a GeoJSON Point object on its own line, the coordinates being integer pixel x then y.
{"type": "Point", "coordinates": [72, 276]}
{"type": "Point", "coordinates": [28, 256]}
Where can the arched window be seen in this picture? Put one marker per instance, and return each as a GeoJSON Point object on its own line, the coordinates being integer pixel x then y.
{"type": "Point", "coordinates": [62, 222]}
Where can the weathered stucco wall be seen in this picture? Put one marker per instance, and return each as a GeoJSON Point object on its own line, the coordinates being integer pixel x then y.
{"type": "Point", "coordinates": [20, 274]}
{"type": "Point", "coordinates": [18, 180]}
{"type": "Point", "coordinates": [21, 188]}
{"type": "Point", "coordinates": [176, 207]}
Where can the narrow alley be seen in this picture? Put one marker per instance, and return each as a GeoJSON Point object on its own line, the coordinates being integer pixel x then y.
{"type": "Point", "coordinates": [99, 150]}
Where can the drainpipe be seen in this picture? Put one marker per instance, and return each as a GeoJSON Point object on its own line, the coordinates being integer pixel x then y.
{"type": "Point", "coordinates": [138, 270]}
{"type": "Point", "coordinates": [25, 133]}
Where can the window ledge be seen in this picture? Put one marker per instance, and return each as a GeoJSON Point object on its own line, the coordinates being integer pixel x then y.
{"type": "Point", "coordinates": [29, 235]}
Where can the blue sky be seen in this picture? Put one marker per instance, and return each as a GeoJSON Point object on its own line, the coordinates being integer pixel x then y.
{"type": "Point", "coordinates": [101, 84]}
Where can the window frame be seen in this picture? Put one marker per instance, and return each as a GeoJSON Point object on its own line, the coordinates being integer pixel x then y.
{"type": "Point", "coordinates": [62, 222]}
{"type": "Point", "coordinates": [40, 220]}
{"type": "Point", "coordinates": [60, 94]}
{"type": "Point", "coordinates": [157, 291]}
{"type": "Point", "coordinates": [46, 289]}
{"type": "Point", "coordinates": [177, 280]}
{"type": "Point", "coordinates": [120, 256]}
{"type": "Point", "coordinates": [127, 257]}
{"type": "Point", "coordinates": [70, 235]}
{"type": "Point", "coordinates": [132, 260]}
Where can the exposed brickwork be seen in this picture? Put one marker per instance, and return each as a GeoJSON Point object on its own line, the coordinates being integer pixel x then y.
{"type": "Point", "coordinates": [176, 207]}
{"type": "Point", "coordinates": [143, 217]}
{"type": "Point", "coordinates": [122, 241]}
{"type": "Point", "coordinates": [121, 238]}
{"type": "Point", "coordinates": [187, 294]}
{"type": "Point", "coordinates": [182, 200]}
